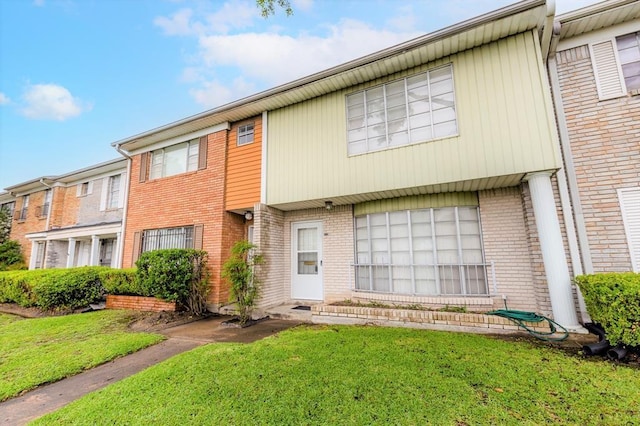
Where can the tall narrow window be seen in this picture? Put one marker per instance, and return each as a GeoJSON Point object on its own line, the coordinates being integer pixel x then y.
{"type": "Point", "coordinates": [113, 194]}
{"type": "Point", "coordinates": [22, 214]}
{"type": "Point", "coordinates": [245, 134]}
{"type": "Point", "coordinates": [408, 111]}
{"type": "Point", "coordinates": [43, 210]}
{"type": "Point", "coordinates": [40, 250]}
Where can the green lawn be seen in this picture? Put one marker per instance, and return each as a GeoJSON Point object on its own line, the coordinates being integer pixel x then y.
{"type": "Point", "coordinates": [367, 375]}
{"type": "Point", "coordinates": [42, 350]}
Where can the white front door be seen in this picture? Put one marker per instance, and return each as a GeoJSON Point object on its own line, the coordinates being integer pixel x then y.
{"type": "Point", "coordinates": [306, 261]}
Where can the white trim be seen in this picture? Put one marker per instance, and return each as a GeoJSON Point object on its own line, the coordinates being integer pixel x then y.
{"type": "Point", "coordinates": [182, 138]}
{"type": "Point", "coordinates": [293, 257]}
{"type": "Point", "coordinates": [607, 69]}
{"type": "Point", "coordinates": [629, 199]}
{"type": "Point", "coordinates": [599, 35]}
{"type": "Point", "coordinates": [263, 162]}
{"type": "Point", "coordinates": [104, 193]}
{"type": "Point", "coordinates": [121, 190]}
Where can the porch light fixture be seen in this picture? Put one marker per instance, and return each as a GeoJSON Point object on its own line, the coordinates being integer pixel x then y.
{"type": "Point", "coordinates": [328, 205]}
{"type": "Point", "coordinates": [248, 215]}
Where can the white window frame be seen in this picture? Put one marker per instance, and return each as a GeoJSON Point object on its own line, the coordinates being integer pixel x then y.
{"type": "Point", "coordinates": [246, 133]}
{"type": "Point", "coordinates": [359, 124]}
{"type": "Point", "coordinates": [46, 203]}
{"type": "Point", "coordinates": [380, 261]}
{"type": "Point", "coordinates": [190, 152]}
{"type": "Point", "coordinates": [622, 64]}
{"type": "Point", "coordinates": [607, 68]}
{"type": "Point", "coordinates": [629, 199]}
{"type": "Point", "coordinates": [113, 191]}
{"type": "Point", "coordinates": [85, 188]}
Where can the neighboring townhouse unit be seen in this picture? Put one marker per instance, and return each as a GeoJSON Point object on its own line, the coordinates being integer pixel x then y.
{"type": "Point", "coordinates": [73, 219]}
{"type": "Point", "coordinates": [595, 75]}
{"type": "Point", "coordinates": [193, 185]}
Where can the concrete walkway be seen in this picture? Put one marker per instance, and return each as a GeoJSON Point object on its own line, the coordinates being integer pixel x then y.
{"type": "Point", "coordinates": [182, 338]}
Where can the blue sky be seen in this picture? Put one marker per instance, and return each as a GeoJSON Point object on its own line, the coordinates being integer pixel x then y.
{"type": "Point", "coordinates": [77, 75]}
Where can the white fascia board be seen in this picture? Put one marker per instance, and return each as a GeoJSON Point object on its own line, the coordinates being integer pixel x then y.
{"type": "Point", "coordinates": [82, 232]}
{"type": "Point", "coordinates": [599, 35]}
{"type": "Point", "coordinates": [178, 139]}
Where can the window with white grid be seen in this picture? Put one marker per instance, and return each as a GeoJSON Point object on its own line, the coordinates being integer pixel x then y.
{"type": "Point", "coordinates": [175, 159]}
{"type": "Point", "coordinates": [421, 252]}
{"type": "Point", "coordinates": [411, 110]}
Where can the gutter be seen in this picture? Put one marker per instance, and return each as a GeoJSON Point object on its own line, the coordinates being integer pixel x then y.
{"type": "Point", "coordinates": [120, 240]}
{"type": "Point", "coordinates": [568, 184]}
{"type": "Point", "coordinates": [547, 29]}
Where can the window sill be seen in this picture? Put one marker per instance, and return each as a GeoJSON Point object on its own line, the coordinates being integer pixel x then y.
{"type": "Point", "coordinates": [471, 300]}
{"type": "Point", "coordinates": [390, 148]}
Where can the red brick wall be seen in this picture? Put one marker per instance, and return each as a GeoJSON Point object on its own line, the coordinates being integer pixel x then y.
{"type": "Point", "coordinates": [32, 223]}
{"type": "Point", "coordinates": [188, 199]}
{"type": "Point", "coordinates": [139, 303]}
{"type": "Point", "coordinates": [605, 142]}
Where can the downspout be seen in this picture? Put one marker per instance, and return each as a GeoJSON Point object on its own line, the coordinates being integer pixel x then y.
{"type": "Point", "coordinates": [126, 204]}
{"type": "Point", "coordinates": [568, 184]}
{"type": "Point", "coordinates": [547, 29]}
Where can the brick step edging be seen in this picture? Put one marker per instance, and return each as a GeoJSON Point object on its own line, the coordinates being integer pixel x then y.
{"type": "Point", "coordinates": [140, 303]}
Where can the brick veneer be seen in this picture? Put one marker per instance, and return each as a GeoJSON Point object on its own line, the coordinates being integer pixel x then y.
{"type": "Point", "coordinates": [188, 199]}
{"type": "Point", "coordinates": [604, 138]}
{"type": "Point", "coordinates": [139, 303]}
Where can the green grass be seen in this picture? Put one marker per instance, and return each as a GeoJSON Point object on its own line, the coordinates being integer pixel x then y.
{"type": "Point", "coordinates": [363, 376]}
{"type": "Point", "coordinates": [42, 350]}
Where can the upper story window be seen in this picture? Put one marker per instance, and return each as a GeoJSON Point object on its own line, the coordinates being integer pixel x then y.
{"type": "Point", "coordinates": [43, 210]}
{"type": "Point", "coordinates": [83, 189]}
{"type": "Point", "coordinates": [22, 213]}
{"type": "Point", "coordinates": [175, 159]}
{"type": "Point", "coordinates": [629, 54]}
{"type": "Point", "coordinates": [245, 134]}
{"type": "Point", "coordinates": [408, 111]}
{"type": "Point", "coordinates": [113, 192]}
{"type": "Point", "coordinates": [8, 207]}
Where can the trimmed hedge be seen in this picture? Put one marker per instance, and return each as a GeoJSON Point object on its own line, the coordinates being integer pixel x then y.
{"type": "Point", "coordinates": [53, 289]}
{"type": "Point", "coordinates": [613, 301]}
{"type": "Point", "coordinates": [174, 275]}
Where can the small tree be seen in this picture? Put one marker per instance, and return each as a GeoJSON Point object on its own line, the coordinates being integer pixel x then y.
{"type": "Point", "coordinates": [11, 256]}
{"type": "Point", "coordinates": [5, 224]}
{"type": "Point", "coordinates": [239, 270]}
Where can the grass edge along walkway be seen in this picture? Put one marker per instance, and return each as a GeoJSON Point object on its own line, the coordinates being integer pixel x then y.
{"type": "Point", "coordinates": [38, 351]}
{"type": "Point", "coordinates": [367, 375]}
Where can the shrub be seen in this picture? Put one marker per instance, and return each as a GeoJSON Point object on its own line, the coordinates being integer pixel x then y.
{"type": "Point", "coordinates": [53, 289]}
{"type": "Point", "coordinates": [239, 270]}
{"type": "Point", "coordinates": [121, 281]}
{"type": "Point", "coordinates": [613, 301]}
{"type": "Point", "coordinates": [175, 275]}
{"type": "Point", "coordinates": [11, 256]}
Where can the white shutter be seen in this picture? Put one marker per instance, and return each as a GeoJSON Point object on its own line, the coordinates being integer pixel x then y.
{"type": "Point", "coordinates": [630, 208]}
{"type": "Point", "coordinates": [104, 192]}
{"type": "Point", "coordinates": [123, 182]}
{"type": "Point", "coordinates": [607, 70]}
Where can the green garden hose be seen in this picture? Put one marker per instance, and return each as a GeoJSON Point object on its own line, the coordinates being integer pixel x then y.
{"type": "Point", "coordinates": [520, 317]}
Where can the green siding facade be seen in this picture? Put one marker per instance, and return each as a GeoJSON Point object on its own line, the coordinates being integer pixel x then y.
{"type": "Point", "coordinates": [505, 122]}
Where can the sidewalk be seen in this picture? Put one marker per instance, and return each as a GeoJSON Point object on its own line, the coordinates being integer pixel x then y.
{"type": "Point", "coordinates": [181, 338]}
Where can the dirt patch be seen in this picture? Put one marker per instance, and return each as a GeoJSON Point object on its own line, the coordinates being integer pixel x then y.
{"type": "Point", "coordinates": [158, 321]}
{"type": "Point", "coordinates": [140, 321]}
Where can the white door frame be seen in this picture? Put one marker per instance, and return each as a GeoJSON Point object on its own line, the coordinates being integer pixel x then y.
{"type": "Point", "coordinates": [306, 286]}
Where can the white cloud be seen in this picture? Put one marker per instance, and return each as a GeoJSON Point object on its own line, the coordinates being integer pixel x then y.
{"type": "Point", "coordinates": [304, 5]}
{"type": "Point", "coordinates": [215, 93]}
{"type": "Point", "coordinates": [51, 102]}
{"type": "Point", "coordinates": [178, 24]}
{"type": "Point", "coordinates": [4, 99]}
{"type": "Point", "coordinates": [38, 3]}
{"type": "Point", "coordinates": [232, 15]}
{"type": "Point", "coordinates": [275, 58]}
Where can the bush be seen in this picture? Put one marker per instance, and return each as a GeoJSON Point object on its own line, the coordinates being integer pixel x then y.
{"type": "Point", "coordinates": [11, 256]}
{"type": "Point", "coordinates": [613, 301]}
{"type": "Point", "coordinates": [121, 281]}
{"type": "Point", "coordinates": [175, 275]}
{"type": "Point", "coordinates": [239, 270]}
{"type": "Point", "coordinates": [53, 289]}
